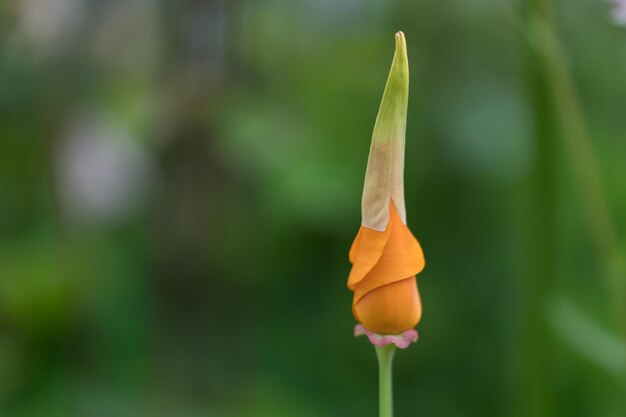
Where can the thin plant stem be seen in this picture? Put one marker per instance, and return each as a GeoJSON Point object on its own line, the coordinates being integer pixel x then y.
{"type": "Point", "coordinates": [385, 385]}
{"type": "Point", "coordinates": [535, 390]}
{"type": "Point", "coordinates": [570, 118]}
{"type": "Point", "coordinates": [573, 125]}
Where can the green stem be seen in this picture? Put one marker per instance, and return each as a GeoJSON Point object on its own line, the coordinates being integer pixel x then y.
{"type": "Point", "coordinates": [385, 365]}
{"type": "Point", "coordinates": [573, 125]}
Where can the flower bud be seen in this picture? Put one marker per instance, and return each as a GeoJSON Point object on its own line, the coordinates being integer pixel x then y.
{"type": "Point", "coordinates": [385, 256]}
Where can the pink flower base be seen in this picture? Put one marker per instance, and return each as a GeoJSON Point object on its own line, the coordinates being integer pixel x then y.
{"type": "Point", "coordinates": [402, 340]}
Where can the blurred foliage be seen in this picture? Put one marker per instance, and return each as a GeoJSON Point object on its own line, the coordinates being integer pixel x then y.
{"type": "Point", "coordinates": [180, 184]}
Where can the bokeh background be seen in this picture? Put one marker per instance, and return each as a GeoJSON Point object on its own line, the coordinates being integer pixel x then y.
{"type": "Point", "coordinates": [180, 184]}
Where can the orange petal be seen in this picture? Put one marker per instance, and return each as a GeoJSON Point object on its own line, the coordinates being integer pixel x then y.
{"type": "Point", "coordinates": [365, 252]}
{"type": "Point", "coordinates": [390, 309]}
{"type": "Point", "coordinates": [402, 257]}
{"type": "Point", "coordinates": [354, 249]}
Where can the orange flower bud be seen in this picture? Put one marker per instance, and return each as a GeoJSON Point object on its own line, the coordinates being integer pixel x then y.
{"type": "Point", "coordinates": [385, 255]}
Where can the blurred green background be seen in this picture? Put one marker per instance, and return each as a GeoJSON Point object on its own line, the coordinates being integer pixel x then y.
{"type": "Point", "coordinates": [180, 183]}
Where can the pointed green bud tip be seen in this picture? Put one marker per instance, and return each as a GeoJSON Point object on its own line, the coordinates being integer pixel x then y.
{"type": "Point", "coordinates": [384, 178]}
{"type": "Point", "coordinates": [401, 49]}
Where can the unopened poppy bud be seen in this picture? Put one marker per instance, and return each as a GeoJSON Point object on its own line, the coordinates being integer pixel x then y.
{"type": "Point", "coordinates": [385, 255]}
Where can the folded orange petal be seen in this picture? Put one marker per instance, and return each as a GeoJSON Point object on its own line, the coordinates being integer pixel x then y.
{"type": "Point", "coordinates": [390, 309]}
{"type": "Point", "coordinates": [380, 258]}
{"type": "Point", "coordinates": [365, 252]}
